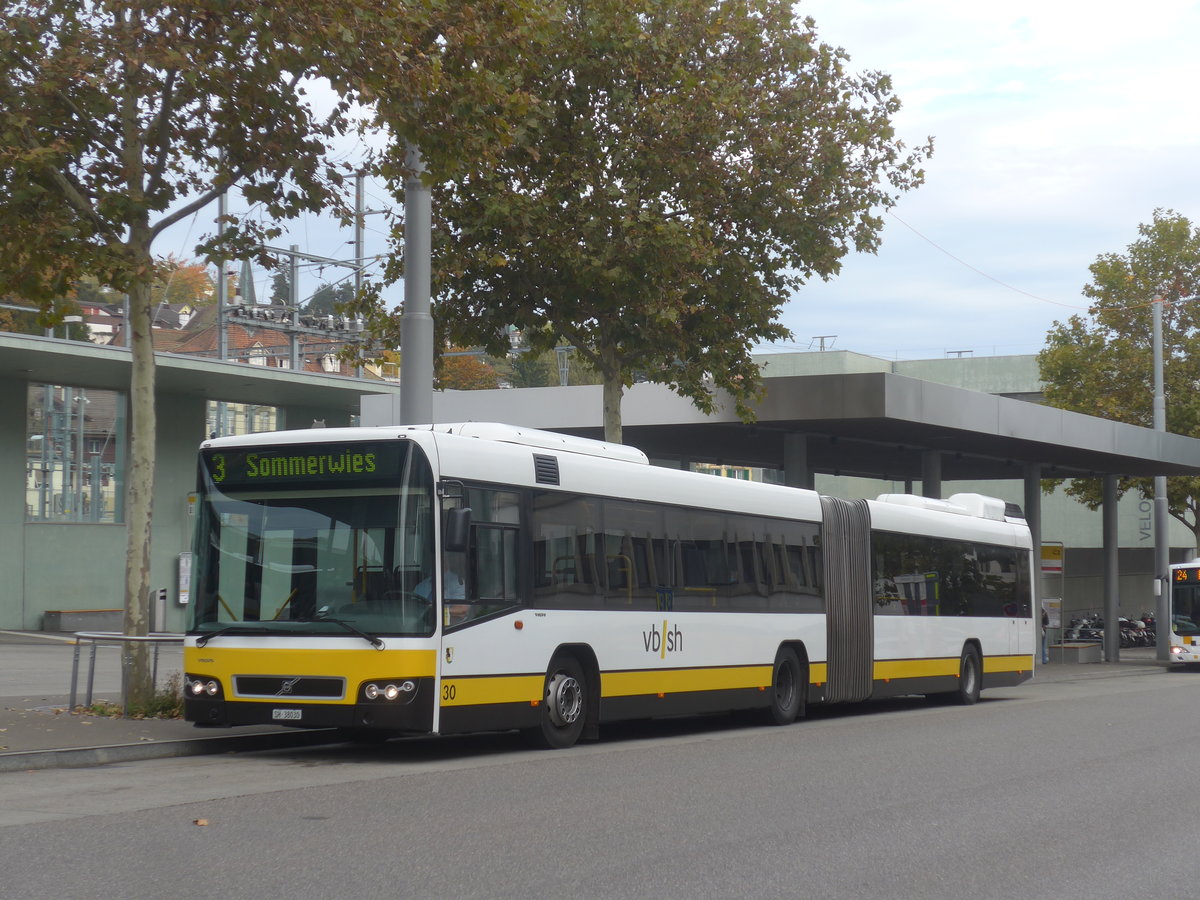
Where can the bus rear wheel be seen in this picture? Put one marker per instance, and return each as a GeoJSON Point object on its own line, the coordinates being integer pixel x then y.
{"type": "Point", "coordinates": [789, 686]}
{"type": "Point", "coordinates": [970, 677]}
{"type": "Point", "coordinates": [564, 704]}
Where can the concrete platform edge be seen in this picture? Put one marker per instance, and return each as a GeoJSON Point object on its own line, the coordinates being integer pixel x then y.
{"type": "Point", "coordinates": [80, 757]}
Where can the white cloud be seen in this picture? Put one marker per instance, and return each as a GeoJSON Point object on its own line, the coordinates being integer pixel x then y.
{"type": "Point", "coordinates": [1059, 128]}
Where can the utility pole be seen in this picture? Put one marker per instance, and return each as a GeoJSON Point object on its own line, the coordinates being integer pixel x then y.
{"type": "Point", "coordinates": [222, 286]}
{"type": "Point", "coordinates": [294, 302]}
{"type": "Point", "coordinates": [359, 230]}
{"type": "Point", "coordinates": [416, 323]}
{"type": "Point", "coordinates": [360, 213]}
{"type": "Point", "coordinates": [1162, 543]}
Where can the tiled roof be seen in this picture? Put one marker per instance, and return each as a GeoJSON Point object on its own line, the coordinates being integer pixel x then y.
{"type": "Point", "coordinates": [199, 336]}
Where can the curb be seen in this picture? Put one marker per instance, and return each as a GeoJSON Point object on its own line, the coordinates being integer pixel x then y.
{"type": "Point", "coordinates": [80, 757]}
{"type": "Point", "coordinates": [1087, 671]}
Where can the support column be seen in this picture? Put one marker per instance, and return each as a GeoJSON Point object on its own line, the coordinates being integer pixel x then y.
{"type": "Point", "coordinates": [13, 530]}
{"type": "Point", "coordinates": [931, 474]}
{"type": "Point", "coordinates": [1162, 567]}
{"type": "Point", "coordinates": [795, 462]}
{"type": "Point", "coordinates": [1112, 628]}
{"type": "Point", "coordinates": [1033, 518]}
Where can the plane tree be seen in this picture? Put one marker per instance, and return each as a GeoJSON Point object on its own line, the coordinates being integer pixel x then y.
{"type": "Point", "coordinates": [1102, 363]}
{"type": "Point", "coordinates": [120, 118]}
{"type": "Point", "coordinates": [684, 168]}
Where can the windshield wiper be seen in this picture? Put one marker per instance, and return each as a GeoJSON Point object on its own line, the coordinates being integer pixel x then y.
{"type": "Point", "coordinates": [231, 629]}
{"type": "Point", "coordinates": [375, 640]}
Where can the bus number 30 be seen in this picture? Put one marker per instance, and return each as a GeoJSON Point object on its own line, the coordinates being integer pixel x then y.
{"type": "Point", "coordinates": [449, 691]}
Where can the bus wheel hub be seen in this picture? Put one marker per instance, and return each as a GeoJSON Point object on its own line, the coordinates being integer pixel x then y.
{"type": "Point", "coordinates": [564, 698]}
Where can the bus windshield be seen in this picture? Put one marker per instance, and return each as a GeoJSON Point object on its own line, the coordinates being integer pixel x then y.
{"type": "Point", "coordinates": [1185, 609]}
{"type": "Point", "coordinates": [315, 539]}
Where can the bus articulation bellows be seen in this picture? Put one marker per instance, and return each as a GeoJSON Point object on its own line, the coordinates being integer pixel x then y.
{"type": "Point", "coordinates": [474, 577]}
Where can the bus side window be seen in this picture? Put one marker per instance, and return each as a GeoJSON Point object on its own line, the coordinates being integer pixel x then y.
{"type": "Point", "coordinates": [492, 580]}
{"type": "Point", "coordinates": [495, 559]}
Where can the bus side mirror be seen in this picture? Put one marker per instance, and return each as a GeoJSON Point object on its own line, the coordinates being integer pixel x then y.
{"type": "Point", "coordinates": [458, 529]}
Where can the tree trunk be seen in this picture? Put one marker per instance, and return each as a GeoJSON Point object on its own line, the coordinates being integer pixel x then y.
{"type": "Point", "coordinates": [613, 389]}
{"type": "Point", "coordinates": [136, 679]}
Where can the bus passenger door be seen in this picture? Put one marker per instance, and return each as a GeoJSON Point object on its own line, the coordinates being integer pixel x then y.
{"type": "Point", "coordinates": [480, 561]}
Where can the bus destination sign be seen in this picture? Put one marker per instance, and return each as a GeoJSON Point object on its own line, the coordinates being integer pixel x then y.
{"type": "Point", "coordinates": [297, 464]}
{"type": "Point", "coordinates": [1189, 575]}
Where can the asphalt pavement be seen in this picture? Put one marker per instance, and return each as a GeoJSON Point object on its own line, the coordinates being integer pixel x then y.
{"type": "Point", "coordinates": [39, 730]}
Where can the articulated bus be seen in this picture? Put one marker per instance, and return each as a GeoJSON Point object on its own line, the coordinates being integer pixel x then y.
{"type": "Point", "coordinates": [1183, 630]}
{"type": "Point", "coordinates": [478, 577]}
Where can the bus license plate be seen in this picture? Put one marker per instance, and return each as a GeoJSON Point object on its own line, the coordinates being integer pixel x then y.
{"type": "Point", "coordinates": [292, 715]}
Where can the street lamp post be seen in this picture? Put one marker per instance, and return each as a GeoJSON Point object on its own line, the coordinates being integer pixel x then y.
{"type": "Point", "coordinates": [416, 322]}
{"type": "Point", "coordinates": [1162, 545]}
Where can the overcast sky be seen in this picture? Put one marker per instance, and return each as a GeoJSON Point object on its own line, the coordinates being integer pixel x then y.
{"type": "Point", "coordinates": [1059, 127]}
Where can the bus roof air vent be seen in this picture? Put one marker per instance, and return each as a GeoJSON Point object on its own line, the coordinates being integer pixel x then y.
{"type": "Point", "coordinates": [1014, 511]}
{"type": "Point", "coordinates": [962, 504]}
{"type": "Point", "coordinates": [545, 469]}
{"type": "Point", "coordinates": [982, 506]}
{"type": "Point", "coordinates": [545, 440]}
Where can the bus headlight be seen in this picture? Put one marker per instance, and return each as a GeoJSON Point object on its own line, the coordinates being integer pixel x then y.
{"type": "Point", "coordinates": [199, 687]}
{"type": "Point", "coordinates": [401, 691]}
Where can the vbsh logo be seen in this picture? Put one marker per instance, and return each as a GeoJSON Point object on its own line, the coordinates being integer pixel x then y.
{"type": "Point", "coordinates": [664, 641]}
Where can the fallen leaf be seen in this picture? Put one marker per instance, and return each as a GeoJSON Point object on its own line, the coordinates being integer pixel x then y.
{"type": "Point", "coordinates": [199, 821]}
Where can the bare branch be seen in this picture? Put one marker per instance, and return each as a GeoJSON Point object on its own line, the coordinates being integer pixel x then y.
{"type": "Point", "coordinates": [158, 135]}
{"type": "Point", "coordinates": [199, 202]}
{"type": "Point", "coordinates": [71, 191]}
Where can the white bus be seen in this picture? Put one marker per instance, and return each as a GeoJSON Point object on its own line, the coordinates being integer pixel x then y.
{"type": "Point", "coordinates": [473, 577]}
{"type": "Point", "coordinates": [1183, 629]}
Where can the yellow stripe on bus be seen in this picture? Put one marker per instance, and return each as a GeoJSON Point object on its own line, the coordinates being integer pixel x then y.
{"type": "Point", "coordinates": [1016, 663]}
{"type": "Point", "coordinates": [492, 689]}
{"type": "Point", "coordinates": [895, 669]}
{"type": "Point", "coordinates": [528, 688]}
{"type": "Point", "coordinates": [889, 669]}
{"type": "Point", "coordinates": [679, 681]}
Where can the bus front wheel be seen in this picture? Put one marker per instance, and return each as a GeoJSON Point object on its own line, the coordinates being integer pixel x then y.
{"type": "Point", "coordinates": [788, 688]}
{"type": "Point", "coordinates": [564, 704]}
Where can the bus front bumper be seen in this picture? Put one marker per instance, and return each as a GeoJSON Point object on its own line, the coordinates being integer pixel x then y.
{"type": "Point", "coordinates": [415, 716]}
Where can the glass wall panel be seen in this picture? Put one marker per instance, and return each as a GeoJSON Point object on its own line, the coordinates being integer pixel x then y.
{"type": "Point", "coordinates": [223, 418]}
{"type": "Point", "coordinates": [75, 454]}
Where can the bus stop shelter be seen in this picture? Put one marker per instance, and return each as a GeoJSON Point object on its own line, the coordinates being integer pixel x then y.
{"type": "Point", "coordinates": [870, 424]}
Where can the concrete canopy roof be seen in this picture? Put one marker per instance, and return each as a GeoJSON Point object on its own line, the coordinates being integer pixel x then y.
{"type": "Point", "coordinates": [873, 424]}
{"type": "Point", "coordinates": [48, 361]}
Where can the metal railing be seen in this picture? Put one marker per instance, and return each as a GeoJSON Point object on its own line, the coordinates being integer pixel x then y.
{"type": "Point", "coordinates": [95, 638]}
